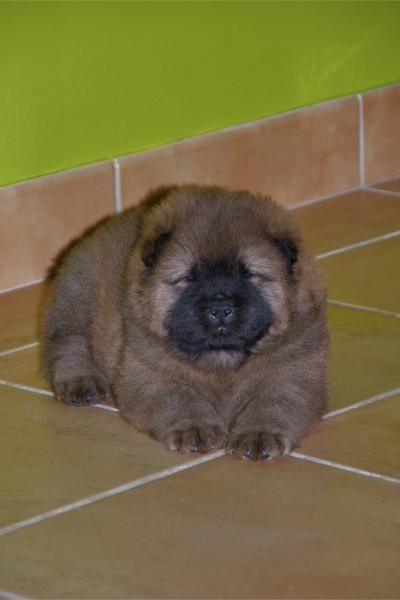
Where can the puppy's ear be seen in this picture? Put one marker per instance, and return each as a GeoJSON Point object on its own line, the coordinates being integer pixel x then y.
{"type": "Point", "coordinates": [152, 249]}
{"type": "Point", "coordinates": [289, 251]}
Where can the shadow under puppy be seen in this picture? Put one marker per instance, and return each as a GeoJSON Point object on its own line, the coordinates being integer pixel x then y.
{"type": "Point", "coordinates": [201, 315]}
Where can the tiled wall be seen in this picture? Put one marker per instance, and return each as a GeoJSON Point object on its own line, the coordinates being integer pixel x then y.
{"type": "Point", "coordinates": [295, 157]}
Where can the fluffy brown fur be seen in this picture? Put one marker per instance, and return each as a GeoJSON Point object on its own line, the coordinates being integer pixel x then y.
{"type": "Point", "coordinates": [108, 328]}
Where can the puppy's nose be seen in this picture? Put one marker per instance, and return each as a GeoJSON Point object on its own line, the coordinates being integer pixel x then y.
{"type": "Point", "coordinates": [220, 312]}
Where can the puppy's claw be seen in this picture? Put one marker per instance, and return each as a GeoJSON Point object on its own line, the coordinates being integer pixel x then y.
{"type": "Point", "coordinates": [174, 441]}
{"type": "Point", "coordinates": [82, 391]}
{"type": "Point", "coordinates": [259, 445]}
{"type": "Point", "coordinates": [194, 440]}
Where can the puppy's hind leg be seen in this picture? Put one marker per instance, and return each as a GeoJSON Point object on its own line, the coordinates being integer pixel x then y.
{"type": "Point", "coordinates": [70, 369]}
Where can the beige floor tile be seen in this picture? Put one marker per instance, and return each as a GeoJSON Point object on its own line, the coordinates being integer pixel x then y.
{"type": "Point", "coordinates": [52, 454]}
{"type": "Point", "coordinates": [390, 186]}
{"type": "Point", "coordinates": [270, 156]}
{"type": "Point", "coordinates": [347, 219]}
{"type": "Point", "coordinates": [364, 355]}
{"type": "Point", "coordinates": [368, 276]}
{"type": "Point", "coordinates": [365, 341]}
{"type": "Point", "coordinates": [382, 133]}
{"type": "Point", "coordinates": [24, 367]}
{"type": "Point", "coordinates": [20, 312]}
{"type": "Point", "coordinates": [368, 438]}
{"type": "Point", "coordinates": [228, 529]}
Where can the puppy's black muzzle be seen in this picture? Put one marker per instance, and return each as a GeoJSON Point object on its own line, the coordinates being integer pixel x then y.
{"type": "Point", "coordinates": [220, 313]}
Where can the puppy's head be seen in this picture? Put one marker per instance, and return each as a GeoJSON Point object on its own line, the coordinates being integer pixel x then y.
{"type": "Point", "coordinates": [214, 271]}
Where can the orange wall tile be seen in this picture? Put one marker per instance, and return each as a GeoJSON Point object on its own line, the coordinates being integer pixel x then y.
{"type": "Point", "coordinates": [382, 133]}
{"type": "Point", "coordinates": [39, 217]}
{"type": "Point", "coordinates": [294, 157]}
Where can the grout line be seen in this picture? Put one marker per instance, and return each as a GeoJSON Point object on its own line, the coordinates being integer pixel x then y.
{"type": "Point", "coordinates": [18, 349]}
{"type": "Point", "coordinates": [358, 188]}
{"type": "Point", "coordinates": [335, 465]}
{"type": "Point", "coordinates": [177, 469]}
{"type": "Point", "coordinates": [114, 409]}
{"type": "Point", "coordinates": [379, 311]}
{"type": "Point", "coordinates": [22, 285]}
{"type": "Point", "coordinates": [106, 407]}
{"type": "Point", "coordinates": [385, 192]}
{"type": "Point", "coordinates": [26, 388]}
{"type": "Point", "coordinates": [131, 485]}
{"type": "Point", "coordinates": [373, 240]}
{"type": "Point", "coordinates": [385, 180]}
{"type": "Point", "coordinates": [126, 487]}
{"type": "Point", "coordinates": [40, 392]}
{"type": "Point", "coordinates": [324, 198]}
{"type": "Point", "coordinates": [366, 402]}
{"type": "Point", "coordinates": [361, 141]}
{"type": "Point", "coordinates": [117, 186]}
{"type": "Point", "coordinates": [5, 595]}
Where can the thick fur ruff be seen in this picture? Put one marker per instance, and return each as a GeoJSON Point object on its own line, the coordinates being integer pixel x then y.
{"type": "Point", "coordinates": [201, 314]}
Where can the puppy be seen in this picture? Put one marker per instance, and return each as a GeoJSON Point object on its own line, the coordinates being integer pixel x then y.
{"type": "Point", "coordinates": [201, 315]}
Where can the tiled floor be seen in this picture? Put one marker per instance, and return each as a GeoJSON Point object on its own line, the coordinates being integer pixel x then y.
{"type": "Point", "coordinates": [91, 509]}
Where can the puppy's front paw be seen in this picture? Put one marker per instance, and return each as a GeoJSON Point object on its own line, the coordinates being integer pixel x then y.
{"type": "Point", "coordinates": [82, 391]}
{"type": "Point", "coordinates": [197, 439]}
{"type": "Point", "coordinates": [258, 445]}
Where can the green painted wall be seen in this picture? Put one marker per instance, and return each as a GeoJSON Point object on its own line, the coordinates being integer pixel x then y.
{"type": "Point", "coordinates": [87, 81]}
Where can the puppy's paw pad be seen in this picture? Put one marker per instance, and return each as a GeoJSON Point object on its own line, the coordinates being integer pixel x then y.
{"type": "Point", "coordinates": [258, 445]}
{"type": "Point", "coordinates": [195, 439]}
{"type": "Point", "coordinates": [82, 391]}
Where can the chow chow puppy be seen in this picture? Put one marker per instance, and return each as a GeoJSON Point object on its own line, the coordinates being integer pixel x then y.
{"type": "Point", "coordinates": [201, 315]}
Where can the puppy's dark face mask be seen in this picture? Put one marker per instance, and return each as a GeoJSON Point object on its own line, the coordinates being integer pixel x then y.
{"type": "Point", "coordinates": [217, 305]}
{"type": "Point", "coordinates": [219, 309]}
